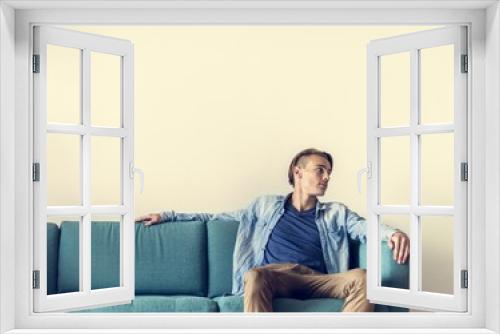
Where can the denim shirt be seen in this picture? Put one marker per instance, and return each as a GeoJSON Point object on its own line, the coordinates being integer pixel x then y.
{"type": "Point", "coordinates": [335, 222]}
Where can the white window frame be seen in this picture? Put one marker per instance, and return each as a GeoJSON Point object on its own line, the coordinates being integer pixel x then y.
{"type": "Point", "coordinates": [86, 297]}
{"type": "Point", "coordinates": [412, 44]}
{"type": "Point", "coordinates": [484, 123]}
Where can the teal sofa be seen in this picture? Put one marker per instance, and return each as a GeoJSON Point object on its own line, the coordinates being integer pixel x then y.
{"type": "Point", "coordinates": [181, 267]}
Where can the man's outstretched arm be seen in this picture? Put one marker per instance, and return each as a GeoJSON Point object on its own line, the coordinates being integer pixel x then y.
{"type": "Point", "coordinates": [172, 216]}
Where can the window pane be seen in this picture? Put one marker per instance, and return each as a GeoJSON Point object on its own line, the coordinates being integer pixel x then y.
{"type": "Point", "coordinates": [105, 251]}
{"type": "Point", "coordinates": [63, 169]}
{"type": "Point", "coordinates": [437, 169]}
{"type": "Point", "coordinates": [437, 254]}
{"type": "Point", "coordinates": [106, 170]}
{"type": "Point", "coordinates": [395, 170]}
{"type": "Point", "coordinates": [395, 90]}
{"type": "Point", "coordinates": [63, 251]}
{"type": "Point", "coordinates": [437, 82]}
{"type": "Point", "coordinates": [63, 84]}
{"type": "Point", "coordinates": [402, 223]}
{"type": "Point", "coordinates": [105, 90]}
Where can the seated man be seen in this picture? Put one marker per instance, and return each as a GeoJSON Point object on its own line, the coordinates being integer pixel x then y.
{"type": "Point", "coordinates": [295, 245]}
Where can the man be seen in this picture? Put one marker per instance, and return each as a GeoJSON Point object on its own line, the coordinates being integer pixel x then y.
{"type": "Point", "coordinates": [297, 246]}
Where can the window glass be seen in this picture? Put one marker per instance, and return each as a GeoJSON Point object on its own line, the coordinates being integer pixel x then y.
{"type": "Point", "coordinates": [402, 223]}
{"type": "Point", "coordinates": [105, 170]}
{"type": "Point", "coordinates": [437, 169]}
{"type": "Point", "coordinates": [395, 90]}
{"type": "Point", "coordinates": [63, 251]}
{"type": "Point", "coordinates": [437, 253]}
{"type": "Point", "coordinates": [105, 89]}
{"type": "Point", "coordinates": [105, 251]}
{"type": "Point", "coordinates": [63, 84]}
{"type": "Point", "coordinates": [437, 84]}
{"type": "Point", "coordinates": [395, 170]}
{"type": "Point", "coordinates": [63, 169]}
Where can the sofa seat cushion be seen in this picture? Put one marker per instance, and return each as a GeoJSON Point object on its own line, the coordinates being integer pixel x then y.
{"type": "Point", "coordinates": [158, 303]}
{"type": "Point", "coordinates": [235, 304]}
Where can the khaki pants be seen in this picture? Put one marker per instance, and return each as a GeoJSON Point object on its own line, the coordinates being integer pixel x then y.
{"type": "Point", "coordinates": [290, 280]}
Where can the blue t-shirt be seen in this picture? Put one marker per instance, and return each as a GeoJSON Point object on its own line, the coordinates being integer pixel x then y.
{"type": "Point", "coordinates": [295, 239]}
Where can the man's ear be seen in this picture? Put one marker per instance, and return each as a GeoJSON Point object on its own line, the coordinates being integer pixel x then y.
{"type": "Point", "coordinates": [297, 172]}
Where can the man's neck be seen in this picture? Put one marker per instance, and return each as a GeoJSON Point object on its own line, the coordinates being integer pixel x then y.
{"type": "Point", "coordinates": [303, 202]}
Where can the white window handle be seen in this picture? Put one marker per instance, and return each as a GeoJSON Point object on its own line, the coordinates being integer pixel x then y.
{"type": "Point", "coordinates": [139, 171]}
{"type": "Point", "coordinates": [368, 171]}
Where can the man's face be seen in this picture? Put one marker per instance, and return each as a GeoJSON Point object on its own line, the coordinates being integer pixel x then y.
{"type": "Point", "coordinates": [314, 177]}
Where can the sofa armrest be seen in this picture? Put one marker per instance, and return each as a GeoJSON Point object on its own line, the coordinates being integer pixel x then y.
{"type": "Point", "coordinates": [393, 274]}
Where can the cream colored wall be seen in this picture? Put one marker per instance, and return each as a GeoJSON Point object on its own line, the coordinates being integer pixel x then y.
{"type": "Point", "coordinates": [220, 112]}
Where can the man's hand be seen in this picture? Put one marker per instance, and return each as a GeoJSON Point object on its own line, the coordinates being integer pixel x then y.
{"type": "Point", "coordinates": [400, 245]}
{"type": "Point", "coordinates": [150, 219]}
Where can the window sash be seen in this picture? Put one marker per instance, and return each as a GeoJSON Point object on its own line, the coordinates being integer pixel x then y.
{"type": "Point", "coordinates": [86, 297]}
{"type": "Point", "coordinates": [413, 297]}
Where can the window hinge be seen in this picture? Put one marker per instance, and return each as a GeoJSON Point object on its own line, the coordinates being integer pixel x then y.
{"type": "Point", "coordinates": [36, 172]}
{"type": "Point", "coordinates": [464, 171]}
{"type": "Point", "coordinates": [465, 64]}
{"type": "Point", "coordinates": [464, 279]}
{"type": "Point", "coordinates": [36, 279]}
{"type": "Point", "coordinates": [36, 63]}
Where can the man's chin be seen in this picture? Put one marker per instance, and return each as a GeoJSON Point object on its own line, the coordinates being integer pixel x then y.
{"type": "Point", "coordinates": [321, 192]}
{"type": "Point", "coordinates": [317, 192]}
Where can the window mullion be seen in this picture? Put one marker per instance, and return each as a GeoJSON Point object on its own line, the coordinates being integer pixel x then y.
{"type": "Point", "coordinates": [415, 259]}
{"type": "Point", "coordinates": [81, 130]}
{"type": "Point", "coordinates": [417, 129]}
{"type": "Point", "coordinates": [419, 211]}
{"type": "Point", "coordinates": [82, 210]}
{"type": "Point", "coordinates": [127, 228]}
{"type": "Point", "coordinates": [85, 230]}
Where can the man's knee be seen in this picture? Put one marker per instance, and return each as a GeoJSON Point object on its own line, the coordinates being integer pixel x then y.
{"type": "Point", "coordinates": [359, 277]}
{"type": "Point", "coordinates": [255, 277]}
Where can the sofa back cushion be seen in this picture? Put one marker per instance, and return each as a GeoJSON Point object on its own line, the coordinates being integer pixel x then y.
{"type": "Point", "coordinates": [357, 259]}
{"type": "Point", "coordinates": [221, 237]}
{"type": "Point", "coordinates": [105, 256]}
{"type": "Point", "coordinates": [171, 258]}
{"type": "Point", "coordinates": [68, 269]}
{"type": "Point", "coordinates": [52, 256]}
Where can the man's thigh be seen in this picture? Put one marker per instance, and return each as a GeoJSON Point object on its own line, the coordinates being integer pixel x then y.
{"type": "Point", "coordinates": [287, 279]}
{"type": "Point", "coordinates": [338, 285]}
{"type": "Point", "coordinates": [298, 281]}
